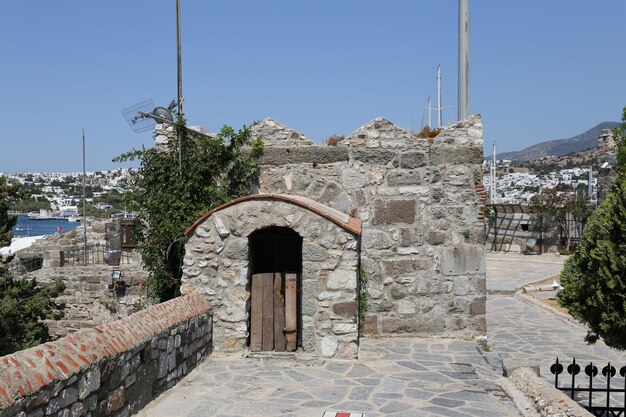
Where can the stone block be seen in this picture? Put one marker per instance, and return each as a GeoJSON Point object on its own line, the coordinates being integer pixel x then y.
{"type": "Point", "coordinates": [298, 155]}
{"type": "Point", "coordinates": [394, 267]}
{"type": "Point", "coordinates": [89, 382]}
{"type": "Point", "coordinates": [344, 328]}
{"type": "Point", "coordinates": [398, 178]}
{"type": "Point", "coordinates": [441, 154]}
{"type": "Point", "coordinates": [345, 309]}
{"type": "Point", "coordinates": [411, 160]}
{"type": "Point", "coordinates": [394, 211]}
{"type": "Point", "coordinates": [312, 252]}
{"type": "Point", "coordinates": [115, 400]}
{"type": "Point", "coordinates": [374, 156]}
{"type": "Point", "coordinates": [370, 325]}
{"type": "Point", "coordinates": [68, 396]}
{"type": "Point", "coordinates": [341, 280]}
{"type": "Point", "coordinates": [463, 259]}
{"type": "Point", "coordinates": [329, 346]}
{"type": "Point", "coordinates": [478, 306]}
{"type": "Point", "coordinates": [353, 179]}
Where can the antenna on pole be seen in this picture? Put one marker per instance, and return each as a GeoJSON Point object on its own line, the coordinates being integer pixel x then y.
{"type": "Point", "coordinates": [492, 188]}
{"type": "Point", "coordinates": [464, 67]}
{"type": "Point", "coordinates": [439, 108]}
{"type": "Point", "coordinates": [438, 96]}
{"type": "Point", "coordinates": [180, 84]}
{"type": "Point", "coordinates": [84, 206]}
{"type": "Point", "coordinates": [430, 108]}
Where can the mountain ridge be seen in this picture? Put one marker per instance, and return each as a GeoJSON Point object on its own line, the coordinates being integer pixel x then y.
{"type": "Point", "coordinates": [558, 147]}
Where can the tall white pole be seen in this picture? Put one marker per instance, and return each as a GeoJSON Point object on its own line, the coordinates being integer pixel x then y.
{"type": "Point", "coordinates": [84, 205]}
{"type": "Point", "coordinates": [464, 66]}
{"type": "Point", "coordinates": [430, 107]}
{"type": "Point", "coordinates": [179, 71]}
{"type": "Point", "coordinates": [439, 96]}
{"type": "Point", "coordinates": [590, 185]}
{"type": "Point", "coordinates": [492, 189]}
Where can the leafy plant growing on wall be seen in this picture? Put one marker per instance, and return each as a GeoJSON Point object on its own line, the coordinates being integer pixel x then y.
{"type": "Point", "coordinates": [215, 170]}
{"type": "Point", "coordinates": [594, 277]}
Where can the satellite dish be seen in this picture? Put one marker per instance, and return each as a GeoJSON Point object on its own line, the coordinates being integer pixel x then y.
{"type": "Point", "coordinates": [163, 113]}
{"type": "Point", "coordinates": [143, 116]}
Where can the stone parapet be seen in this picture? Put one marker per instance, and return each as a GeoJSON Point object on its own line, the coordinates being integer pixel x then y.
{"type": "Point", "coordinates": [421, 202]}
{"type": "Point", "coordinates": [112, 369]}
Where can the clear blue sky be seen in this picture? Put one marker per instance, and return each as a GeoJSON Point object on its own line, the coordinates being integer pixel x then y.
{"type": "Point", "coordinates": [539, 69]}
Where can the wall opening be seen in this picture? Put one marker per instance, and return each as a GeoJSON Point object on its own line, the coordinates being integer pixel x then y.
{"type": "Point", "coordinates": [275, 284]}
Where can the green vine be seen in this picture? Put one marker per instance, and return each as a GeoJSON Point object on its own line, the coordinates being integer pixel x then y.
{"type": "Point", "coordinates": [215, 169]}
{"type": "Point", "coordinates": [362, 296]}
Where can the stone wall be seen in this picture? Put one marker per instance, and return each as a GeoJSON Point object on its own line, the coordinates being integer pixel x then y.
{"type": "Point", "coordinates": [423, 235]}
{"type": "Point", "coordinates": [87, 298]}
{"type": "Point", "coordinates": [110, 370]}
{"type": "Point", "coordinates": [217, 264]}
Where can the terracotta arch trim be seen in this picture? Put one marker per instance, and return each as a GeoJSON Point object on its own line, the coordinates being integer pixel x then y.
{"type": "Point", "coordinates": [349, 223]}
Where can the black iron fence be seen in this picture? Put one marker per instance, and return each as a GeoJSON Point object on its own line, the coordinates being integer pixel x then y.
{"type": "Point", "coordinates": [605, 398]}
{"type": "Point", "coordinates": [96, 254]}
{"type": "Point", "coordinates": [21, 267]}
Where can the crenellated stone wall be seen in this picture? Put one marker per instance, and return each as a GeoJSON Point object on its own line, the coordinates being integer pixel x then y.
{"type": "Point", "coordinates": [421, 242]}
{"type": "Point", "coordinates": [423, 232]}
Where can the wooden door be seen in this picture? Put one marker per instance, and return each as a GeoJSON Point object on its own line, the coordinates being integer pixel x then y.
{"type": "Point", "coordinates": [273, 312]}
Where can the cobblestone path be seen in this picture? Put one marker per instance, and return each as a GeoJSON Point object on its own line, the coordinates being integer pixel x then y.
{"type": "Point", "coordinates": [535, 336]}
{"type": "Point", "coordinates": [393, 377]}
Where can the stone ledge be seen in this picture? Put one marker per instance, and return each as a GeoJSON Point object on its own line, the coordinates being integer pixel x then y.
{"type": "Point", "coordinates": [29, 370]}
{"type": "Point", "coordinates": [547, 400]}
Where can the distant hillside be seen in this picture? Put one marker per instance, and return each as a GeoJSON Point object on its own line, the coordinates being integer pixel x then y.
{"type": "Point", "coordinates": [560, 146]}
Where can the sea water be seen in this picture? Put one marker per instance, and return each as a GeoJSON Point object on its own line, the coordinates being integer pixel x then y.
{"type": "Point", "coordinates": [42, 227]}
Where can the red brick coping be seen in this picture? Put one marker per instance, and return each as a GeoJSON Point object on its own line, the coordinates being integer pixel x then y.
{"type": "Point", "coordinates": [25, 372]}
{"type": "Point", "coordinates": [349, 223]}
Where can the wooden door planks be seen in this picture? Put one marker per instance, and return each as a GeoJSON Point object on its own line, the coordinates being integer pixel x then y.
{"type": "Point", "coordinates": [290, 311]}
{"type": "Point", "coordinates": [268, 311]}
{"type": "Point", "coordinates": [279, 314]}
{"type": "Point", "coordinates": [256, 314]}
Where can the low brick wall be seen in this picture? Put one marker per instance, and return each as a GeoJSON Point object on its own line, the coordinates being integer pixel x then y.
{"type": "Point", "coordinates": [111, 370]}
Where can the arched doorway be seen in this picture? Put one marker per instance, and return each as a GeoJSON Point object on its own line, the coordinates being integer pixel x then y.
{"type": "Point", "coordinates": [275, 283]}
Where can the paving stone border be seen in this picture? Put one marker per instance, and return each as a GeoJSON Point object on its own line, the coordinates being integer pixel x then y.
{"type": "Point", "coordinates": [548, 401]}
{"type": "Point", "coordinates": [113, 369]}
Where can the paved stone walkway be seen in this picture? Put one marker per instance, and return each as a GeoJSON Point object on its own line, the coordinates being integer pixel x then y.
{"type": "Point", "coordinates": [507, 271]}
{"type": "Point", "coordinates": [396, 377]}
{"type": "Point", "coordinates": [393, 377]}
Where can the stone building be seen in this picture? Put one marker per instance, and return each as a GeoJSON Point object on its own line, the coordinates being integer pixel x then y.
{"type": "Point", "coordinates": [383, 232]}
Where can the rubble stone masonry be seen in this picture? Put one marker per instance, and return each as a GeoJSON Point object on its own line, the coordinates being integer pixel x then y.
{"type": "Point", "coordinates": [113, 369]}
{"type": "Point", "coordinates": [422, 242]}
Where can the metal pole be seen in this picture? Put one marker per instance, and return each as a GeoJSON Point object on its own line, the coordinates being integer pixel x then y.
{"type": "Point", "coordinates": [430, 105]}
{"type": "Point", "coordinates": [464, 68]}
{"type": "Point", "coordinates": [439, 96]}
{"type": "Point", "coordinates": [84, 206]}
{"type": "Point", "coordinates": [180, 84]}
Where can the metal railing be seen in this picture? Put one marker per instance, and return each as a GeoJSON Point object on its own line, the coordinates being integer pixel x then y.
{"type": "Point", "coordinates": [21, 267]}
{"type": "Point", "coordinates": [96, 255]}
{"type": "Point", "coordinates": [610, 401]}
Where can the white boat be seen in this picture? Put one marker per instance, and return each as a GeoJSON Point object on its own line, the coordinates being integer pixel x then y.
{"type": "Point", "coordinates": [41, 215]}
{"type": "Point", "coordinates": [73, 219]}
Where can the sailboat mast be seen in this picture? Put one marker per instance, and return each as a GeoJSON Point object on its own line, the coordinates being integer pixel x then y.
{"type": "Point", "coordinates": [439, 96]}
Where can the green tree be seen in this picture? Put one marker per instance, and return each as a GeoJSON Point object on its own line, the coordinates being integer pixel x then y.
{"type": "Point", "coordinates": [23, 305]}
{"type": "Point", "coordinates": [594, 277]}
{"type": "Point", "coordinates": [8, 193]}
{"type": "Point", "coordinates": [215, 170]}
